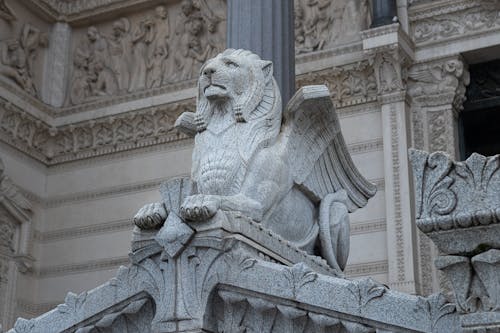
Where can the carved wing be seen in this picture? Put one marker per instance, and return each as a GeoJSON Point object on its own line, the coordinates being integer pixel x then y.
{"type": "Point", "coordinates": [318, 154]}
{"type": "Point", "coordinates": [429, 75]}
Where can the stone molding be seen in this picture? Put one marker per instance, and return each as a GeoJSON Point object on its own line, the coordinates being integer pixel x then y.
{"type": "Point", "coordinates": [437, 24]}
{"type": "Point", "coordinates": [366, 227]}
{"type": "Point", "coordinates": [357, 228]}
{"type": "Point", "coordinates": [78, 268]}
{"type": "Point", "coordinates": [83, 231]}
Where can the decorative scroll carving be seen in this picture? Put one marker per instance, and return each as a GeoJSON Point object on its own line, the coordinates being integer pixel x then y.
{"type": "Point", "coordinates": [458, 208]}
{"type": "Point", "coordinates": [350, 84]}
{"type": "Point", "coordinates": [321, 24]}
{"type": "Point", "coordinates": [18, 56]}
{"type": "Point", "coordinates": [147, 54]}
{"type": "Point", "coordinates": [441, 27]}
{"type": "Point", "coordinates": [93, 138]}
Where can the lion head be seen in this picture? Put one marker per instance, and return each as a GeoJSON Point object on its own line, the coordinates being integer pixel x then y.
{"type": "Point", "coordinates": [239, 82]}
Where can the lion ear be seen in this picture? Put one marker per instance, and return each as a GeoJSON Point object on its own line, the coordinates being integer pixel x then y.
{"type": "Point", "coordinates": [267, 68]}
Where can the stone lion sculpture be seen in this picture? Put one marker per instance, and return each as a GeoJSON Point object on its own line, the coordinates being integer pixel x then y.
{"type": "Point", "coordinates": [289, 170]}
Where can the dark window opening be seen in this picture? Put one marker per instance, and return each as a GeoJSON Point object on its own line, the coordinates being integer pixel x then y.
{"type": "Point", "coordinates": [480, 119]}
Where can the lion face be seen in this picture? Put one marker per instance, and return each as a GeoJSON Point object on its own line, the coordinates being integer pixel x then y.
{"type": "Point", "coordinates": [223, 77]}
{"type": "Point", "coordinates": [232, 87]}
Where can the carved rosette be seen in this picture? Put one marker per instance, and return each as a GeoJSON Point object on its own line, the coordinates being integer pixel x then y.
{"type": "Point", "coordinates": [457, 206]}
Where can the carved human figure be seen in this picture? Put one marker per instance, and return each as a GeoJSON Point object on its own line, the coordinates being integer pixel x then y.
{"type": "Point", "coordinates": [215, 40]}
{"type": "Point", "coordinates": [32, 39]}
{"type": "Point", "coordinates": [96, 47]}
{"type": "Point", "coordinates": [299, 28]}
{"type": "Point", "coordinates": [291, 172]}
{"type": "Point", "coordinates": [141, 39]}
{"type": "Point", "coordinates": [156, 66]}
{"type": "Point", "coordinates": [14, 64]}
{"type": "Point", "coordinates": [192, 52]}
{"type": "Point", "coordinates": [162, 28]}
{"type": "Point", "coordinates": [80, 83]}
{"type": "Point", "coordinates": [6, 13]}
{"type": "Point", "coordinates": [180, 68]}
{"type": "Point", "coordinates": [119, 44]}
{"type": "Point", "coordinates": [105, 81]}
{"type": "Point", "coordinates": [316, 24]}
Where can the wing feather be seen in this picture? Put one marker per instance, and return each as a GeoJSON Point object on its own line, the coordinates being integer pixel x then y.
{"type": "Point", "coordinates": [320, 161]}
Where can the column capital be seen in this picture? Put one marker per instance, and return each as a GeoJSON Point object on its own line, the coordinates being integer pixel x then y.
{"type": "Point", "coordinates": [390, 52]}
{"type": "Point", "coordinates": [439, 82]}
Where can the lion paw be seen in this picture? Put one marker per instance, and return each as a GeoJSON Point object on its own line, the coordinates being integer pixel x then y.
{"type": "Point", "coordinates": [199, 207]}
{"type": "Point", "coordinates": [151, 216]}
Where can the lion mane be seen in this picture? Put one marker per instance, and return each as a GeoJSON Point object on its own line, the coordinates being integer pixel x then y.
{"type": "Point", "coordinates": [257, 104]}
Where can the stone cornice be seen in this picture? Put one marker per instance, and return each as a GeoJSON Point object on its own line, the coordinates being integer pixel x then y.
{"type": "Point", "coordinates": [436, 8]}
{"type": "Point", "coordinates": [74, 10]}
{"type": "Point", "coordinates": [444, 21]}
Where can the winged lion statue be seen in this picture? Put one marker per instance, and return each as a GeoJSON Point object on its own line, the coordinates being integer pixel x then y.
{"type": "Point", "coordinates": [289, 170]}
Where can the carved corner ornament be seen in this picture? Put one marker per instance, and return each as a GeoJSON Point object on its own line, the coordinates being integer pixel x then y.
{"type": "Point", "coordinates": [458, 207]}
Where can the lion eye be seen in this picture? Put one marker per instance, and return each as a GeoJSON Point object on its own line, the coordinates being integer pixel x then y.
{"type": "Point", "coordinates": [230, 63]}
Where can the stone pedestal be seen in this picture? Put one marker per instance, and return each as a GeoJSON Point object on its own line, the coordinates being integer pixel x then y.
{"type": "Point", "coordinates": [265, 27]}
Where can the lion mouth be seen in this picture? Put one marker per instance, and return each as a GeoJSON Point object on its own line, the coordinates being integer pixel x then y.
{"type": "Point", "coordinates": [214, 91]}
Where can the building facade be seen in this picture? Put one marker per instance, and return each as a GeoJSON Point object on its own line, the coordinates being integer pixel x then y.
{"type": "Point", "coordinates": [90, 91]}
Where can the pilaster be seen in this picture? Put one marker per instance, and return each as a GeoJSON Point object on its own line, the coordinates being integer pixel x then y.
{"type": "Point", "coordinates": [53, 90]}
{"type": "Point", "coordinates": [390, 51]}
{"type": "Point", "coordinates": [437, 90]}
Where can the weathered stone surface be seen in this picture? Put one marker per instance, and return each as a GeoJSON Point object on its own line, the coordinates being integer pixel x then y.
{"type": "Point", "coordinates": [458, 208]}
{"type": "Point", "coordinates": [222, 276]}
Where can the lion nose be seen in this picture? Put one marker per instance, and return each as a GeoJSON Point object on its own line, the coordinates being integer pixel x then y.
{"type": "Point", "coordinates": [209, 71]}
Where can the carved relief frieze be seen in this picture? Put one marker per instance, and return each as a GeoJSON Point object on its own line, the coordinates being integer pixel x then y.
{"type": "Point", "coordinates": [461, 19]}
{"type": "Point", "coordinates": [18, 55]}
{"type": "Point", "coordinates": [93, 138]}
{"type": "Point", "coordinates": [132, 54]}
{"type": "Point", "coordinates": [348, 85]}
{"type": "Point", "coordinates": [6, 13]}
{"type": "Point", "coordinates": [322, 24]}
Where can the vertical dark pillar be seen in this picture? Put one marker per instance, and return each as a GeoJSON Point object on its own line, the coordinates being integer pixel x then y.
{"type": "Point", "coordinates": [265, 27]}
{"type": "Point", "coordinates": [383, 12]}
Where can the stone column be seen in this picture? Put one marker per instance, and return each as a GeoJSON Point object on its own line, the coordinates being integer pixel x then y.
{"type": "Point", "coordinates": [383, 12]}
{"type": "Point", "coordinates": [389, 51]}
{"type": "Point", "coordinates": [437, 89]}
{"type": "Point", "coordinates": [265, 27]}
{"type": "Point", "coordinates": [57, 65]}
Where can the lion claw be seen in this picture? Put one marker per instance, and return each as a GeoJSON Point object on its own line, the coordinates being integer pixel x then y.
{"type": "Point", "coordinates": [151, 216]}
{"type": "Point", "coordinates": [199, 207]}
